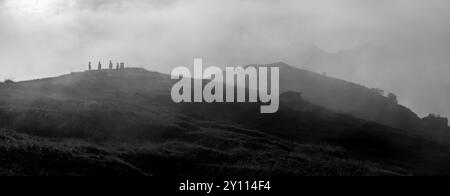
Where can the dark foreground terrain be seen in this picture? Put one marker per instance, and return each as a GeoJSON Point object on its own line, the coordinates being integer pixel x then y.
{"type": "Point", "coordinates": [239, 155]}
{"type": "Point", "coordinates": [124, 123]}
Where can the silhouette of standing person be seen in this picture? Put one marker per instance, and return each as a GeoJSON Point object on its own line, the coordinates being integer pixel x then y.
{"type": "Point", "coordinates": [110, 65]}
{"type": "Point", "coordinates": [90, 66]}
{"type": "Point", "coordinates": [99, 66]}
{"type": "Point", "coordinates": [117, 67]}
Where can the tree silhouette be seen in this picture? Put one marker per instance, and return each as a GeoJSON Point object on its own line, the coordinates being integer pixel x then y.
{"type": "Point", "coordinates": [392, 97]}
{"type": "Point", "coordinates": [378, 91]}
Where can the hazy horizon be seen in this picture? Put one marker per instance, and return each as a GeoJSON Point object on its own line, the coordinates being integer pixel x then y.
{"type": "Point", "coordinates": [401, 46]}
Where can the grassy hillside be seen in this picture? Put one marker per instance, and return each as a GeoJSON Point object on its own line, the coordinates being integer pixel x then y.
{"type": "Point", "coordinates": [125, 120]}
{"type": "Point", "coordinates": [25, 155]}
{"type": "Point", "coordinates": [201, 153]}
{"type": "Point", "coordinates": [346, 97]}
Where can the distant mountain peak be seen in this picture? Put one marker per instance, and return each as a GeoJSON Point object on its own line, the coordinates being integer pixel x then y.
{"type": "Point", "coordinates": [280, 64]}
{"type": "Point", "coordinates": [276, 64]}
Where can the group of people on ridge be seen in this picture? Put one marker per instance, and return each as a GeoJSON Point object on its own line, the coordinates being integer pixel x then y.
{"type": "Point", "coordinates": [111, 65]}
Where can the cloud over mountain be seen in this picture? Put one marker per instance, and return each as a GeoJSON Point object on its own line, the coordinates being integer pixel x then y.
{"type": "Point", "coordinates": [50, 37]}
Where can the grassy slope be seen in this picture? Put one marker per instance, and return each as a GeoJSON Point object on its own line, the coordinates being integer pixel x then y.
{"type": "Point", "coordinates": [23, 155]}
{"type": "Point", "coordinates": [201, 153]}
{"type": "Point", "coordinates": [346, 97]}
{"type": "Point", "coordinates": [137, 130]}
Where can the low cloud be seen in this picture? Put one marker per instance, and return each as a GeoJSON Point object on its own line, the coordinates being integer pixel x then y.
{"type": "Point", "coordinates": [52, 37]}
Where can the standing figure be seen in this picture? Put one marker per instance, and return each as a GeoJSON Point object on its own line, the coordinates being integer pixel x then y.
{"type": "Point", "coordinates": [99, 66]}
{"type": "Point", "coordinates": [117, 66]}
{"type": "Point", "coordinates": [90, 66]}
{"type": "Point", "coordinates": [110, 65]}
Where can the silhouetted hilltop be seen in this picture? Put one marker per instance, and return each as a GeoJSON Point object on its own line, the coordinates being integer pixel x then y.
{"type": "Point", "coordinates": [103, 78]}
{"type": "Point", "coordinates": [346, 97]}
{"type": "Point", "coordinates": [133, 108]}
{"type": "Point", "coordinates": [128, 125]}
{"type": "Point", "coordinates": [334, 94]}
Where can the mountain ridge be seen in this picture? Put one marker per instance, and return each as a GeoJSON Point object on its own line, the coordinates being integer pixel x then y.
{"type": "Point", "coordinates": [131, 108]}
{"type": "Point", "coordinates": [335, 94]}
{"type": "Point", "coordinates": [347, 97]}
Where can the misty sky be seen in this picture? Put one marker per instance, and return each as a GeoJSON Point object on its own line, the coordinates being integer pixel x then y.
{"type": "Point", "coordinates": [402, 46]}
